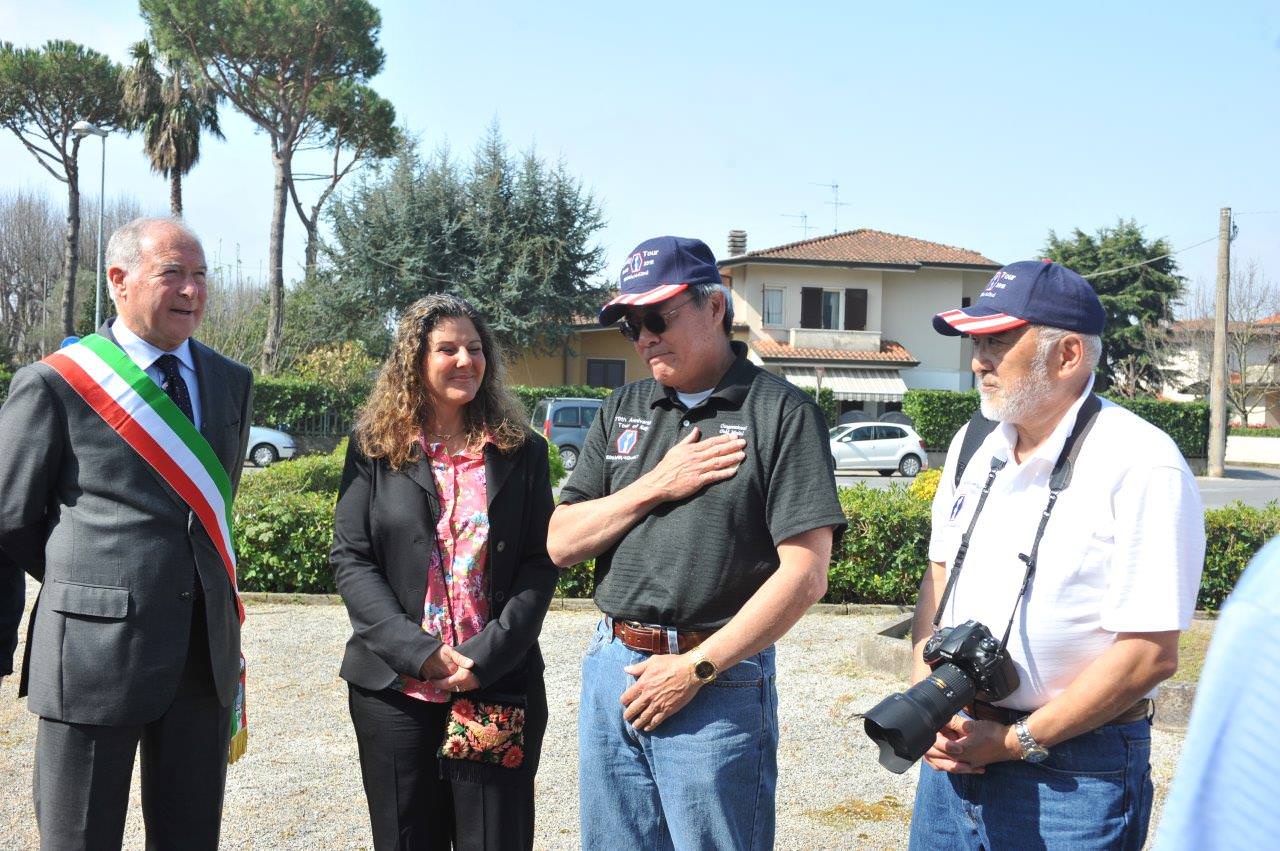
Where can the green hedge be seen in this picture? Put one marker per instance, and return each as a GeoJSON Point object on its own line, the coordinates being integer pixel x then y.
{"type": "Point", "coordinates": [939, 414]}
{"type": "Point", "coordinates": [826, 400]}
{"type": "Point", "coordinates": [579, 580]}
{"type": "Point", "coordinates": [283, 523]}
{"type": "Point", "coordinates": [282, 542]}
{"type": "Point", "coordinates": [1251, 431]}
{"type": "Point", "coordinates": [307, 474]}
{"type": "Point", "coordinates": [1233, 534]}
{"type": "Point", "coordinates": [5, 377]}
{"type": "Point", "coordinates": [1186, 422]}
{"type": "Point", "coordinates": [300, 406]}
{"type": "Point", "coordinates": [884, 551]}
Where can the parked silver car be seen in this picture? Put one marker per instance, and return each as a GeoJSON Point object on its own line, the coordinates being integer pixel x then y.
{"type": "Point", "coordinates": [267, 446]}
{"type": "Point", "coordinates": [883, 447]}
{"type": "Point", "coordinates": [564, 421]}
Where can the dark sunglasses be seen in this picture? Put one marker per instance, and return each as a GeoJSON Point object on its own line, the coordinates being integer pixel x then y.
{"type": "Point", "coordinates": [655, 322]}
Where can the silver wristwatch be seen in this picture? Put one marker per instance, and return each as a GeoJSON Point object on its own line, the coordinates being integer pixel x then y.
{"type": "Point", "coordinates": [1032, 751]}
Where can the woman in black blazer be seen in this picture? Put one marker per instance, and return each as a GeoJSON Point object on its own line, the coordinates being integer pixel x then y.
{"type": "Point", "coordinates": [443, 509]}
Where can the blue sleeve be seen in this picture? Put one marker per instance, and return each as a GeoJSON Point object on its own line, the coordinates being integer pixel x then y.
{"type": "Point", "coordinates": [1221, 795]}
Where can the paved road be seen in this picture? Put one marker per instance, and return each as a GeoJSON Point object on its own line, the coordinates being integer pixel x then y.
{"type": "Point", "coordinates": [1255, 486]}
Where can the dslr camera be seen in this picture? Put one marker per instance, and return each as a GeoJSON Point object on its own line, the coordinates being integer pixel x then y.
{"type": "Point", "coordinates": [967, 662]}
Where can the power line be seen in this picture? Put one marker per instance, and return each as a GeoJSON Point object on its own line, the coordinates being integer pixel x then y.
{"type": "Point", "coordinates": [1146, 262]}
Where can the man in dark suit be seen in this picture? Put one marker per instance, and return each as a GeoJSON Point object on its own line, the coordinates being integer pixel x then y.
{"type": "Point", "coordinates": [135, 638]}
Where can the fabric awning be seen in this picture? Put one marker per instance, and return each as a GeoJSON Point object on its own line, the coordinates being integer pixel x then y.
{"type": "Point", "coordinates": [852, 385]}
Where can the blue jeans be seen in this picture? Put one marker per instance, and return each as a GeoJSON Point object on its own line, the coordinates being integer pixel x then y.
{"type": "Point", "coordinates": [704, 779]}
{"type": "Point", "coordinates": [1093, 792]}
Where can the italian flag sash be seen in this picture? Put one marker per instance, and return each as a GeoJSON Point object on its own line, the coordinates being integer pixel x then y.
{"type": "Point", "coordinates": [147, 419]}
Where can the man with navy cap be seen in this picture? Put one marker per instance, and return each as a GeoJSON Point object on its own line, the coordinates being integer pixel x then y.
{"type": "Point", "coordinates": [706, 496]}
{"type": "Point", "coordinates": [1077, 525]}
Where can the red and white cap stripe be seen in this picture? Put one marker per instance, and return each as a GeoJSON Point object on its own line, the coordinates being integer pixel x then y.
{"type": "Point", "coordinates": [659, 293]}
{"type": "Point", "coordinates": [993, 324]}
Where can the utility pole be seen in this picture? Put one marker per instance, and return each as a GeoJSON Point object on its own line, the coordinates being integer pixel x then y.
{"type": "Point", "coordinates": [1218, 366]}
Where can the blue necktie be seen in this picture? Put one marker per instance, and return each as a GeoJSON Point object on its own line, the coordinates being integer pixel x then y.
{"type": "Point", "coordinates": [175, 386]}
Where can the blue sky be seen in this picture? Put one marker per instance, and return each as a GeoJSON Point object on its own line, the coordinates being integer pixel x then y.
{"type": "Point", "coordinates": [983, 129]}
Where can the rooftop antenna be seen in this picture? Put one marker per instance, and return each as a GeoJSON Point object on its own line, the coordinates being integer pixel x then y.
{"type": "Point", "coordinates": [835, 201]}
{"type": "Point", "coordinates": [804, 222]}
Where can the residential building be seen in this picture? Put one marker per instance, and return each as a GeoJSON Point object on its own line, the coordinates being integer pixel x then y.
{"type": "Point", "coordinates": [849, 311]}
{"type": "Point", "coordinates": [1253, 367]}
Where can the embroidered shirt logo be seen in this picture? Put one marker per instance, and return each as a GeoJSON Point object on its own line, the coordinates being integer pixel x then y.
{"type": "Point", "coordinates": [630, 432]}
{"type": "Point", "coordinates": [627, 441]}
{"type": "Point", "coordinates": [955, 508]}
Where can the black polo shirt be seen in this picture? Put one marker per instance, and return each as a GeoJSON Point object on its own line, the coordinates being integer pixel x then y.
{"type": "Point", "coordinates": [692, 564]}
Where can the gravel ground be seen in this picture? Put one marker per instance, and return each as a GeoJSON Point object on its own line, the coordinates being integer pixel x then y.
{"type": "Point", "coordinates": [299, 785]}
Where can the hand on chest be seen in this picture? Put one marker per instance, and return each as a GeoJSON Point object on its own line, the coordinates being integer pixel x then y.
{"type": "Point", "coordinates": [637, 444]}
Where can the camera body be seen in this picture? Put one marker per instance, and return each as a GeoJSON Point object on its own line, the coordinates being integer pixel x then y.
{"type": "Point", "coordinates": [967, 662]}
{"type": "Point", "coordinates": [973, 649]}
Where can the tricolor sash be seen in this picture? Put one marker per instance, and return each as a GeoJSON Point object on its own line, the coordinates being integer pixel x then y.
{"type": "Point", "coordinates": [146, 418]}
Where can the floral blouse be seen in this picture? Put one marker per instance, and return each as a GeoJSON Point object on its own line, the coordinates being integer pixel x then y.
{"type": "Point", "coordinates": [457, 598]}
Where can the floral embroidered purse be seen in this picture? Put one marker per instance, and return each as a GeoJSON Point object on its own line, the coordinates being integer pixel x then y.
{"type": "Point", "coordinates": [485, 731]}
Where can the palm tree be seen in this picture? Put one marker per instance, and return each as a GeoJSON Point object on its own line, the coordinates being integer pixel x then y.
{"type": "Point", "coordinates": [171, 109]}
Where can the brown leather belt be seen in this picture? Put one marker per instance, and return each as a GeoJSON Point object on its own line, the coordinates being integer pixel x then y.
{"type": "Point", "coordinates": [652, 639]}
{"type": "Point", "coordinates": [987, 712]}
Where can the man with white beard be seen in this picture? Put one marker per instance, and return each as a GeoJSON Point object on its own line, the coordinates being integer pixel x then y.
{"type": "Point", "coordinates": [1077, 526]}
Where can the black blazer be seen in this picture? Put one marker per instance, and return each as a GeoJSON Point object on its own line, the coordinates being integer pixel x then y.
{"type": "Point", "coordinates": [384, 533]}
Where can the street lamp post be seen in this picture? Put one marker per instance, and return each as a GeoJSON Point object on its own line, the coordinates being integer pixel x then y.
{"type": "Point", "coordinates": [82, 129]}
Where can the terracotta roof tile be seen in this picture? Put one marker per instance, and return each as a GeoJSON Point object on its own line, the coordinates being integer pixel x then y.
{"type": "Point", "coordinates": [870, 246]}
{"type": "Point", "coordinates": [1269, 325]}
{"type": "Point", "coordinates": [890, 352]}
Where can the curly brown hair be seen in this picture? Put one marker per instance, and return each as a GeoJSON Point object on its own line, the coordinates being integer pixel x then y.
{"type": "Point", "coordinates": [399, 407]}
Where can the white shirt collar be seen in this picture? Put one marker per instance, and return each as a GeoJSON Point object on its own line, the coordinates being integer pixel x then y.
{"type": "Point", "coordinates": [1048, 451]}
{"type": "Point", "coordinates": [145, 354]}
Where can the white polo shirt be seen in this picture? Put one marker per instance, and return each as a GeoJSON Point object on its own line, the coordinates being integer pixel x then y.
{"type": "Point", "coordinates": [1122, 552]}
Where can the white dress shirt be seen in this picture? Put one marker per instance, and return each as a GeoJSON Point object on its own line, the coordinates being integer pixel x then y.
{"type": "Point", "coordinates": [145, 356]}
{"type": "Point", "coordinates": [1122, 551]}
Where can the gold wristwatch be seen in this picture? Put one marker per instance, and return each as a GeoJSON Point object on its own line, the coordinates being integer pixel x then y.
{"type": "Point", "coordinates": [704, 670]}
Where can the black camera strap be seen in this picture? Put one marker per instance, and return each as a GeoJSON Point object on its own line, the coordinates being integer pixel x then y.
{"type": "Point", "coordinates": [1058, 482]}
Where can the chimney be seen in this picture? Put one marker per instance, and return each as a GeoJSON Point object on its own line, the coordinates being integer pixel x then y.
{"type": "Point", "coordinates": [737, 242]}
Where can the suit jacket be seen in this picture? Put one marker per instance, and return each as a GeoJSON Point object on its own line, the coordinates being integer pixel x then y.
{"type": "Point", "coordinates": [117, 550]}
{"type": "Point", "coordinates": [383, 536]}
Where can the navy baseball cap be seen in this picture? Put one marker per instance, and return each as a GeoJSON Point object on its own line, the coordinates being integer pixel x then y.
{"type": "Point", "coordinates": [658, 269]}
{"type": "Point", "coordinates": [1029, 292]}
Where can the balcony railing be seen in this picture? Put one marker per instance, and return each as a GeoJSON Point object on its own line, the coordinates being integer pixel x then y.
{"type": "Point", "coordinates": [830, 338]}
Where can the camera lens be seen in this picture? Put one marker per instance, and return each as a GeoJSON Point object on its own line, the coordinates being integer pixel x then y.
{"type": "Point", "coordinates": [904, 724]}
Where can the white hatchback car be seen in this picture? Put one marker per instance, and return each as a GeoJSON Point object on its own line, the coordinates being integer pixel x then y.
{"type": "Point", "coordinates": [883, 447]}
{"type": "Point", "coordinates": [267, 446]}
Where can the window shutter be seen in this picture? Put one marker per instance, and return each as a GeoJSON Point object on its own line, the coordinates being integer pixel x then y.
{"type": "Point", "coordinates": [810, 307]}
{"type": "Point", "coordinates": [855, 310]}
